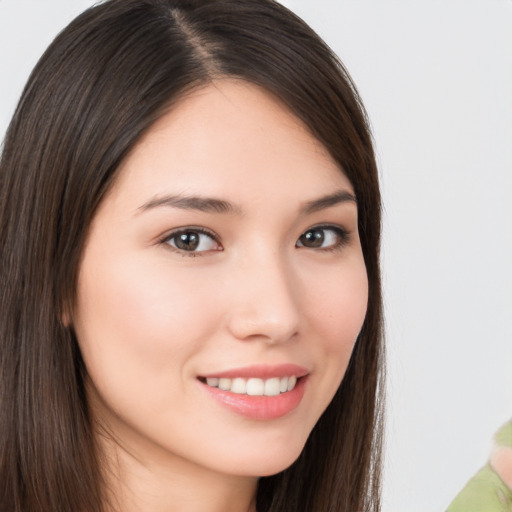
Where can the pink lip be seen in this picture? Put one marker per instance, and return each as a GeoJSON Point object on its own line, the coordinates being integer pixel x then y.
{"type": "Point", "coordinates": [260, 407]}
{"type": "Point", "coordinates": [261, 372]}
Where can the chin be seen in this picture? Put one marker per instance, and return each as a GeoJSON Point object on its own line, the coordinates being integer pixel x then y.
{"type": "Point", "coordinates": [266, 462]}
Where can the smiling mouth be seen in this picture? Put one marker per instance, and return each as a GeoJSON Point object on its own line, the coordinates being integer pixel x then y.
{"type": "Point", "coordinates": [253, 386]}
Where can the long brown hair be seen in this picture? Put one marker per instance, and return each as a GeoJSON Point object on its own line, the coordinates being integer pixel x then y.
{"type": "Point", "coordinates": [100, 85]}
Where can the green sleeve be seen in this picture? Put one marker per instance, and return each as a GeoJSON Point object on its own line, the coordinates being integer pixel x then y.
{"type": "Point", "coordinates": [504, 435]}
{"type": "Point", "coordinates": [485, 492]}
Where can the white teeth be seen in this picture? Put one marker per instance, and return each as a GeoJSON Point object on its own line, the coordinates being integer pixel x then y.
{"type": "Point", "coordinates": [254, 387]}
{"type": "Point", "coordinates": [272, 387]}
{"type": "Point", "coordinates": [239, 386]}
{"type": "Point", "coordinates": [225, 384]}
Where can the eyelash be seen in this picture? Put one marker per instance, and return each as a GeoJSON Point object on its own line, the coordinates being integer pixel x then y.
{"type": "Point", "coordinates": [342, 235]}
{"type": "Point", "coordinates": [166, 240]}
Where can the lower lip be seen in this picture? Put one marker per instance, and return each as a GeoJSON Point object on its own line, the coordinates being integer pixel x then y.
{"type": "Point", "coordinates": [260, 407]}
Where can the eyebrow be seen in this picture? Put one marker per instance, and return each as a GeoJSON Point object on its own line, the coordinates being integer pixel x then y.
{"type": "Point", "coordinates": [201, 204]}
{"type": "Point", "coordinates": [214, 205]}
{"type": "Point", "coordinates": [341, 196]}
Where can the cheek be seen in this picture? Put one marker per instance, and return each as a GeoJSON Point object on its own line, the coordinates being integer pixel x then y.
{"type": "Point", "coordinates": [335, 309]}
{"type": "Point", "coordinates": [143, 316]}
{"type": "Point", "coordinates": [338, 309]}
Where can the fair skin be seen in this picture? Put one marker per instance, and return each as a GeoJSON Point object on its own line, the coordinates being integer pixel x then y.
{"type": "Point", "coordinates": [501, 462]}
{"type": "Point", "coordinates": [228, 247]}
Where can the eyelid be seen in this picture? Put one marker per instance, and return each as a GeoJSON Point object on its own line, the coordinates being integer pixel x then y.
{"type": "Point", "coordinates": [343, 234]}
{"type": "Point", "coordinates": [164, 239]}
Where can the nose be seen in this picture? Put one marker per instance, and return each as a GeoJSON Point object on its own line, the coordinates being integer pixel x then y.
{"type": "Point", "coordinates": [265, 301]}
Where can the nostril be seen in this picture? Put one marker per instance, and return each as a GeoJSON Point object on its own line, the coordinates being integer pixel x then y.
{"type": "Point", "coordinates": [261, 327]}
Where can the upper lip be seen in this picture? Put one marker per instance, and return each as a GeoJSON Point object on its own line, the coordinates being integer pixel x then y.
{"type": "Point", "coordinates": [260, 371]}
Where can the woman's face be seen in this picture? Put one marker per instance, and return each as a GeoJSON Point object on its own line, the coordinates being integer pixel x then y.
{"type": "Point", "coordinates": [223, 266]}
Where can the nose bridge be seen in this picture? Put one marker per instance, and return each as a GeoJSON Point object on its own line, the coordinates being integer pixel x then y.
{"type": "Point", "coordinates": [265, 303]}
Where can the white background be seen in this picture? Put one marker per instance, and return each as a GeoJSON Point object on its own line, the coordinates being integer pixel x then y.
{"type": "Point", "coordinates": [436, 78]}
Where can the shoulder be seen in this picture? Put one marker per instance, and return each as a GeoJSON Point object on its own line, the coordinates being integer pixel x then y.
{"type": "Point", "coordinates": [504, 435]}
{"type": "Point", "coordinates": [485, 492]}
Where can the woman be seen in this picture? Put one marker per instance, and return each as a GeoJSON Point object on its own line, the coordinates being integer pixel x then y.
{"type": "Point", "coordinates": [191, 308]}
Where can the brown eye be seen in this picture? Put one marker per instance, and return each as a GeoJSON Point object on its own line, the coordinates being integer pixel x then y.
{"type": "Point", "coordinates": [312, 238]}
{"type": "Point", "coordinates": [322, 238]}
{"type": "Point", "coordinates": [192, 240]}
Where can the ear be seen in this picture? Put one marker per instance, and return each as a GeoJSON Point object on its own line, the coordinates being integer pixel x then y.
{"type": "Point", "coordinates": [65, 316]}
{"type": "Point", "coordinates": [65, 319]}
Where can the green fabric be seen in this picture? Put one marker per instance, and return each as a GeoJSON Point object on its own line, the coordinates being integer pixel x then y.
{"type": "Point", "coordinates": [504, 435]}
{"type": "Point", "coordinates": [486, 491]}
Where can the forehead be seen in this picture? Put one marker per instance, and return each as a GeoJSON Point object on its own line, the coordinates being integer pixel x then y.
{"type": "Point", "coordinates": [230, 138]}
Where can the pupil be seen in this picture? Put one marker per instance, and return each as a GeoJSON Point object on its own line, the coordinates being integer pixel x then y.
{"type": "Point", "coordinates": [313, 238]}
{"type": "Point", "coordinates": [187, 241]}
